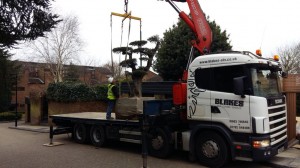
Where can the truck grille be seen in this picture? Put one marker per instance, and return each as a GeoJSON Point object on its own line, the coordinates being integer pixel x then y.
{"type": "Point", "coordinates": [278, 124]}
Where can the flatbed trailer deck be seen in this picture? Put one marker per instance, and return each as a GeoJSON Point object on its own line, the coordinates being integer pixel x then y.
{"type": "Point", "coordinates": [157, 121]}
{"type": "Point", "coordinates": [94, 127]}
{"type": "Point", "coordinates": [88, 115]}
{"type": "Point", "coordinates": [91, 117]}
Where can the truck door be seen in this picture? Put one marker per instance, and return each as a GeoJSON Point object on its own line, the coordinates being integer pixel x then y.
{"type": "Point", "coordinates": [198, 99]}
{"type": "Point", "coordinates": [226, 107]}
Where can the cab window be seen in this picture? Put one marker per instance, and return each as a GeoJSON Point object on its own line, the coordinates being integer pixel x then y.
{"type": "Point", "coordinates": [218, 78]}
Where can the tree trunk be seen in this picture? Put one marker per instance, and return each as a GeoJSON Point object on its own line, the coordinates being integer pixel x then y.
{"type": "Point", "coordinates": [137, 87]}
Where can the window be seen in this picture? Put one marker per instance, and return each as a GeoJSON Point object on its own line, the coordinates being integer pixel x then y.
{"type": "Point", "coordinates": [223, 77]}
{"type": "Point", "coordinates": [93, 76]}
{"type": "Point", "coordinates": [33, 72]}
{"type": "Point", "coordinates": [203, 78]}
{"type": "Point", "coordinates": [218, 78]}
{"type": "Point", "coordinates": [265, 82]}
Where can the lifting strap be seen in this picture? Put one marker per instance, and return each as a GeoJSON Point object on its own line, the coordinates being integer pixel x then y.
{"type": "Point", "coordinates": [121, 42]}
{"type": "Point", "coordinates": [111, 49]}
{"type": "Point", "coordinates": [129, 30]}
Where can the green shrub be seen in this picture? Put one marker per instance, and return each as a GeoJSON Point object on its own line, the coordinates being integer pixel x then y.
{"type": "Point", "coordinates": [9, 116]}
{"type": "Point", "coordinates": [72, 92]}
{"type": "Point", "coordinates": [101, 92]}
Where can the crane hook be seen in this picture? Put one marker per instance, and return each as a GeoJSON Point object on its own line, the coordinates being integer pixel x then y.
{"type": "Point", "coordinates": [125, 6]}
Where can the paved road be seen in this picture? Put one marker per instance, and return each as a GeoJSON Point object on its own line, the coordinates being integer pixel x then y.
{"type": "Point", "coordinates": [24, 149]}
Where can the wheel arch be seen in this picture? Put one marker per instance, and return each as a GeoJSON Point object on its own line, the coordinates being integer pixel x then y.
{"type": "Point", "coordinates": [85, 136]}
{"type": "Point", "coordinates": [102, 139]}
{"type": "Point", "coordinates": [168, 148]}
{"type": "Point", "coordinates": [167, 130]}
{"type": "Point", "coordinates": [217, 128]}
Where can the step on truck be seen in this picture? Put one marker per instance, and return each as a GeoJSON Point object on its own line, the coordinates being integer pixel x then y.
{"type": "Point", "coordinates": [228, 106]}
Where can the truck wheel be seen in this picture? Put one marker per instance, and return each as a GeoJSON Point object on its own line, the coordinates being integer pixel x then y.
{"type": "Point", "coordinates": [98, 136]}
{"type": "Point", "coordinates": [159, 143]}
{"type": "Point", "coordinates": [211, 149]}
{"type": "Point", "coordinates": [80, 133]}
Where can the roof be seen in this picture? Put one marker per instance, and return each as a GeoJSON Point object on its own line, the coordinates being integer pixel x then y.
{"type": "Point", "coordinates": [230, 58]}
{"type": "Point", "coordinates": [102, 70]}
{"type": "Point", "coordinates": [152, 77]}
{"type": "Point", "coordinates": [105, 71]}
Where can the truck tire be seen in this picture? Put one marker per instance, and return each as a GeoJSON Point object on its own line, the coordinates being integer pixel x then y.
{"type": "Point", "coordinates": [80, 133]}
{"type": "Point", "coordinates": [98, 137]}
{"type": "Point", "coordinates": [159, 143]}
{"type": "Point", "coordinates": [212, 150]}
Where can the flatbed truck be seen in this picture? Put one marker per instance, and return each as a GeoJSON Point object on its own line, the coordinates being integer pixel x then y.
{"type": "Point", "coordinates": [228, 106]}
{"type": "Point", "coordinates": [241, 119]}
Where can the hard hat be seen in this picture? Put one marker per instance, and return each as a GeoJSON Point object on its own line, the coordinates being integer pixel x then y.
{"type": "Point", "coordinates": [110, 79]}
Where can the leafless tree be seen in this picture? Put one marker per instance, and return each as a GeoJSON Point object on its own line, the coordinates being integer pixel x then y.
{"type": "Point", "coordinates": [116, 68]}
{"type": "Point", "coordinates": [290, 58]}
{"type": "Point", "coordinates": [59, 47]}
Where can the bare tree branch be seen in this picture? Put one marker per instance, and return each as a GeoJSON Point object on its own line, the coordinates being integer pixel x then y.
{"type": "Point", "coordinates": [116, 68]}
{"type": "Point", "coordinates": [290, 58]}
{"type": "Point", "coordinates": [60, 46]}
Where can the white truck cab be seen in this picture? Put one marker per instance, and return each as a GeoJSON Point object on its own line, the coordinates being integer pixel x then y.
{"type": "Point", "coordinates": [239, 92]}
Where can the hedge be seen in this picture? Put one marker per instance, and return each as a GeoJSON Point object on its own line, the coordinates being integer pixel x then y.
{"type": "Point", "coordinates": [9, 116]}
{"type": "Point", "coordinates": [72, 92]}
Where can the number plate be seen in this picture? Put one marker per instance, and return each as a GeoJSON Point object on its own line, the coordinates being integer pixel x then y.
{"type": "Point", "coordinates": [279, 150]}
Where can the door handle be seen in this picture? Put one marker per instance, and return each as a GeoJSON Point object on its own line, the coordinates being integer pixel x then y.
{"type": "Point", "coordinates": [215, 109]}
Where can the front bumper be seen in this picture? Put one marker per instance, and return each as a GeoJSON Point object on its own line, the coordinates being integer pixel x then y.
{"type": "Point", "coordinates": [268, 152]}
{"type": "Point", "coordinates": [247, 153]}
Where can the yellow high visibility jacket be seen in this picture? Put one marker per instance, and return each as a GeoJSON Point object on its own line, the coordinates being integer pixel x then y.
{"type": "Point", "coordinates": [110, 94]}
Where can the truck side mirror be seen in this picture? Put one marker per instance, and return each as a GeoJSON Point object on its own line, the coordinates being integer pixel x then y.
{"type": "Point", "coordinates": [238, 86]}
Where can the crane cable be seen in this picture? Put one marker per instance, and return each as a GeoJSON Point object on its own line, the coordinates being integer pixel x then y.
{"type": "Point", "coordinates": [190, 59]}
{"type": "Point", "coordinates": [111, 37]}
{"type": "Point", "coordinates": [126, 52]}
{"type": "Point", "coordinates": [125, 6]}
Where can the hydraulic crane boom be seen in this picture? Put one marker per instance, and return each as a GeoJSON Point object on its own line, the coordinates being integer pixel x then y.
{"type": "Point", "coordinates": [197, 23]}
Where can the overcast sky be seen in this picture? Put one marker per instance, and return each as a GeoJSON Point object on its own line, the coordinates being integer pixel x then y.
{"type": "Point", "coordinates": [252, 24]}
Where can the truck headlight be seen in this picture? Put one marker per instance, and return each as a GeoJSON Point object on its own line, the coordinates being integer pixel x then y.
{"type": "Point", "coordinates": [261, 143]}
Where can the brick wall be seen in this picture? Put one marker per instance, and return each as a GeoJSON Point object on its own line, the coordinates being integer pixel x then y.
{"type": "Point", "coordinates": [35, 78]}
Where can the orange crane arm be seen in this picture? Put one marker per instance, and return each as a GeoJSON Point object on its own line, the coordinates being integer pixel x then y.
{"type": "Point", "coordinates": [197, 23]}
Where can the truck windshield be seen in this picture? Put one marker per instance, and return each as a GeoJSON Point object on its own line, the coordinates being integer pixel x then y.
{"type": "Point", "coordinates": [265, 82]}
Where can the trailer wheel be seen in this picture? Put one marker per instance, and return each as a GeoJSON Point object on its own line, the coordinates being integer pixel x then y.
{"type": "Point", "coordinates": [98, 136]}
{"type": "Point", "coordinates": [159, 143]}
{"type": "Point", "coordinates": [80, 133]}
{"type": "Point", "coordinates": [212, 150]}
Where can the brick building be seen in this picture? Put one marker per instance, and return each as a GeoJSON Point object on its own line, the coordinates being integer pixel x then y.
{"type": "Point", "coordinates": [34, 78]}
